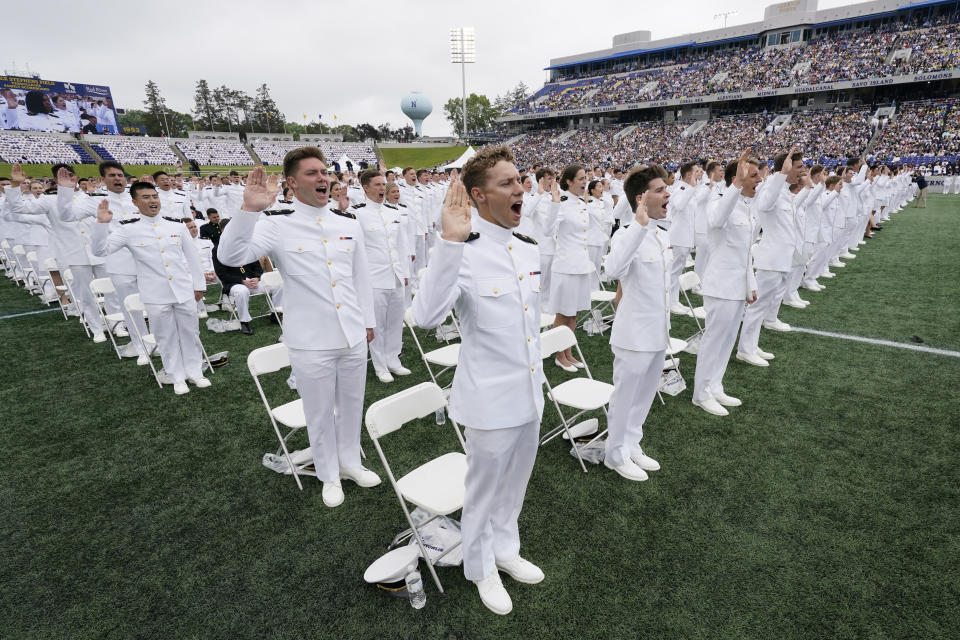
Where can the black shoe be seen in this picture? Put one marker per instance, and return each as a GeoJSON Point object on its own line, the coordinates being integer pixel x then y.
{"type": "Point", "coordinates": [275, 318]}
{"type": "Point", "coordinates": [245, 329]}
{"type": "Point", "coordinates": [866, 237]}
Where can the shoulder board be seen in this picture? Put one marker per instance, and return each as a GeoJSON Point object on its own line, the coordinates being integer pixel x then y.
{"type": "Point", "coordinates": [278, 212]}
{"type": "Point", "coordinates": [286, 201]}
{"type": "Point", "coordinates": [563, 198]}
{"type": "Point", "coordinates": [520, 236]}
{"type": "Point", "coordinates": [682, 187]}
{"type": "Point", "coordinates": [51, 191]}
{"type": "Point", "coordinates": [390, 206]}
{"type": "Point", "coordinates": [181, 193]}
{"type": "Point", "coordinates": [360, 205]}
{"type": "Point", "coordinates": [659, 226]}
{"type": "Point", "coordinates": [473, 236]}
{"type": "Point", "coordinates": [172, 219]}
{"type": "Point", "coordinates": [402, 205]}
{"type": "Point", "coordinates": [345, 214]}
{"type": "Point", "coordinates": [130, 220]}
{"type": "Point", "coordinates": [97, 195]}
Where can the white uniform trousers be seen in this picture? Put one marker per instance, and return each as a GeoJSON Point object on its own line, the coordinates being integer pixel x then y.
{"type": "Point", "coordinates": [636, 378]}
{"type": "Point", "coordinates": [420, 259]}
{"type": "Point", "coordinates": [596, 257]}
{"type": "Point", "coordinates": [771, 286]}
{"type": "Point", "coordinates": [388, 307]}
{"type": "Point", "coordinates": [716, 345]}
{"type": "Point", "coordinates": [680, 255]}
{"type": "Point", "coordinates": [546, 266]}
{"type": "Point", "coordinates": [83, 275]}
{"type": "Point", "coordinates": [817, 264]}
{"type": "Point", "coordinates": [240, 296]}
{"type": "Point", "coordinates": [791, 291]}
{"type": "Point", "coordinates": [177, 330]}
{"type": "Point", "coordinates": [499, 464]}
{"type": "Point", "coordinates": [126, 285]}
{"type": "Point", "coordinates": [956, 185]}
{"type": "Point", "coordinates": [331, 383]}
{"type": "Point", "coordinates": [703, 254]}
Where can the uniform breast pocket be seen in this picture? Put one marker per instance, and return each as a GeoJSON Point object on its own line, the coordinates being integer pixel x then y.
{"type": "Point", "coordinates": [497, 304]}
{"type": "Point", "coordinates": [300, 258]}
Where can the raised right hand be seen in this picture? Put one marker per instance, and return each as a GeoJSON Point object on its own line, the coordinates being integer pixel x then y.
{"type": "Point", "coordinates": [103, 212]}
{"type": "Point", "coordinates": [17, 176]}
{"type": "Point", "coordinates": [66, 178]}
{"type": "Point", "coordinates": [455, 215]}
{"type": "Point", "coordinates": [259, 193]}
{"type": "Point", "coordinates": [641, 216]}
{"type": "Point", "coordinates": [788, 163]}
{"type": "Point", "coordinates": [743, 167]}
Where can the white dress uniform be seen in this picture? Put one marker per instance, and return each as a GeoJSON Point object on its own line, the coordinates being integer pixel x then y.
{"type": "Point", "coordinates": [640, 257]}
{"type": "Point", "coordinates": [493, 281]}
{"type": "Point", "coordinates": [779, 250]}
{"type": "Point", "coordinates": [542, 216]}
{"type": "Point", "coordinates": [174, 204]}
{"type": "Point", "coordinates": [821, 255]}
{"type": "Point", "coordinates": [120, 265]}
{"type": "Point", "coordinates": [387, 257]}
{"type": "Point", "coordinates": [573, 278]}
{"type": "Point", "coordinates": [728, 280]}
{"type": "Point", "coordinates": [701, 228]}
{"type": "Point", "coordinates": [328, 306]}
{"type": "Point", "coordinates": [682, 209]}
{"type": "Point", "coordinates": [205, 253]}
{"type": "Point", "coordinates": [808, 225]}
{"type": "Point", "coordinates": [598, 233]}
{"type": "Point", "coordinates": [70, 245]}
{"type": "Point", "coordinates": [168, 273]}
{"type": "Point", "coordinates": [416, 200]}
{"type": "Point", "coordinates": [33, 232]}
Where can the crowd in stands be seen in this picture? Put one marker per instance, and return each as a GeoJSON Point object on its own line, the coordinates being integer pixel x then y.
{"type": "Point", "coordinates": [135, 150]}
{"type": "Point", "coordinates": [921, 128]}
{"type": "Point", "coordinates": [849, 55]}
{"type": "Point", "coordinates": [356, 151]}
{"type": "Point", "coordinates": [271, 152]}
{"type": "Point", "coordinates": [835, 134]}
{"type": "Point", "coordinates": [219, 152]}
{"type": "Point", "coordinates": [35, 149]}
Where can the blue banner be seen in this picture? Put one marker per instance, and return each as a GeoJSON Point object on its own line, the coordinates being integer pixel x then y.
{"type": "Point", "coordinates": [32, 104]}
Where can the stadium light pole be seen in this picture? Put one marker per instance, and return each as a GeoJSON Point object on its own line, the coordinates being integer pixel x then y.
{"type": "Point", "coordinates": [725, 15]}
{"type": "Point", "coordinates": [463, 50]}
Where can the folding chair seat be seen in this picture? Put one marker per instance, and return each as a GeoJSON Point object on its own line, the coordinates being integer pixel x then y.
{"type": "Point", "coordinates": [583, 394]}
{"type": "Point", "coordinates": [133, 304]}
{"type": "Point", "coordinates": [100, 288]}
{"type": "Point", "coordinates": [436, 486]}
{"type": "Point", "coordinates": [41, 275]}
{"type": "Point", "coordinates": [688, 281]}
{"type": "Point", "coordinates": [445, 358]}
{"type": "Point", "coordinates": [272, 280]}
{"type": "Point", "coordinates": [68, 287]}
{"type": "Point", "coordinates": [271, 359]}
{"type": "Point", "coordinates": [26, 271]}
{"type": "Point", "coordinates": [601, 302]}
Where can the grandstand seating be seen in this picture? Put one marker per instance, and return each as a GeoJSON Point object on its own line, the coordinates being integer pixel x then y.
{"type": "Point", "coordinates": [356, 151]}
{"type": "Point", "coordinates": [85, 158]}
{"type": "Point", "coordinates": [134, 150]}
{"type": "Point", "coordinates": [271, 152]}
{"type": "Point", "coordinates": [36, 149]}
{"type": "Point", "coordinates": [215, 152]}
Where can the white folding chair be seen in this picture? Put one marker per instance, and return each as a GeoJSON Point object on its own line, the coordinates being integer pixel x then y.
{"type": "Point", "coordinates": [100, 288]}
{"type": "Point", "coordinates": [689, 280]}
{"type": "Point", "coordinates": [445, 358]}
{"type": "Point", "coordinates": [68, 287]}
{"type": "Point", "coordinates": [271, 281]}
{"type": "Point", "coordinates": [232, 307]}
{"type": "Point", "coordinates": [582, 394]}
{"type": "Point", "coordinates": [601, 302]}
{"type": "Point", "coordinates": [50, 264]}
{"type": "Point", "coordinates": [6, 260]}
{"type": "Point", "coordinates": [270, 360]}
{"type": "Point", "coordinates": [20, 255]}
{"type": "Point", "coordinates": [436, 486]}
{"type": "Point", "coordinates": [133, 304]}
{"type": "Point", "coordinates": [40, 274]}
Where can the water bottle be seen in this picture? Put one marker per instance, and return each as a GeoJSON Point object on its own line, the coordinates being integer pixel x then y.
{"type": "Point", "coordinates": [441, 416]}
{"type": "Point", "coordinates": [418, 597]}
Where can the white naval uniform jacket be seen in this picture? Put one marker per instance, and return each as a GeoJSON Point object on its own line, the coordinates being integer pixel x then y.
{"type": "Point", "coordinates": [168, 267]}
{"type": "Point", "coordinates": [327, 298]}
{"type": "Point", "coordinates": [174, 204]}
{"type": "Point", "coordinates": [729, 272]}
{"type": "Point", "coordinates": [781, 246]}
{"type": "Point", "coordinates": [681, 212]}
{"type": "Point", "coordinates": [383, 237]}
{"type": "Point", "coordinates": [570, 222]}
{"type": "Point", "coordinates": [121, 205]}
{"type": "Point", "coordinates": [640, 258]}
{"type": "Point", "coordinates": [493, 281]}
{"type": "Point", "coordinates": [69, 239]}
{"type": "Point", "coordinates": [828, 221]}
{"type": "Point", "coordinates": [414, 199]}
{"type": "Point", "coordinates": [601, 221]}
{"type": "Point", "coordinates": [813, 214]}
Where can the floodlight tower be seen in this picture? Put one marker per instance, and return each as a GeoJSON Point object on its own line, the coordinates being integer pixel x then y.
{"type": "Point", "coordinates": [463, 50]}
{"type": "Point", "coordinates": [725, 15]}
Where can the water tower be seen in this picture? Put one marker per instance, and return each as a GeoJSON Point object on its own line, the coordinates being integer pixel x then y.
{"type": "Point", "coordinates": [417, 107]}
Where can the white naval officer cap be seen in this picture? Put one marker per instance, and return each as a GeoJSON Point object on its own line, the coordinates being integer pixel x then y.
{"type": "Point", "coordinates": [389, 571]}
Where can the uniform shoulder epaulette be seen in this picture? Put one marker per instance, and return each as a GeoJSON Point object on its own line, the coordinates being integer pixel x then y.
{"type": "Point", "coordinates": [359, 205]}
{"type": "Point", "coordinates": [286, 201]}
{"type": "Point", "coordinates": [278, 212]}
{"type": "Point", "coordinates": [173, 219]}
{"type": "Point", "coordinates": [97, 195]}
{"type": "Point", "coordinates": [345, 214]}
{"type": "Point", "coordinates": [682, 187]}
{"type": "Point", "coordinates": [473, 236]}
{"type": "Point", "coordinates": [130, 220]}
{"type": "Point", "coordinates": [402, 205]}
{"type": "Point", "coordinates": [390, 206]}
{"type": "Point", "coordinates": [563, 198]}
{"type": "Point", "coordinates": [182, 193]}
{"type": "Point", "coordinates": [520, 236]}
{"type": "Point", "coordinates": [51, 191]}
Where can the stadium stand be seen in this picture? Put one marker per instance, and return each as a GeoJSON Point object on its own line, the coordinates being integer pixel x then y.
{"type": "Point", "coordinates": [215, 152]}
{"type": "Point", "coordinates": [35, 149]}
{"type": "Point", "coordinates": [132, 150]}
{"type": "Point", "coordinates": [272, 152]}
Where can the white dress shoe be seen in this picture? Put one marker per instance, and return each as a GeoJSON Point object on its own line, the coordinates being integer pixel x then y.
{"type": "Point", "coordinates": [727, 401]}
{"type": "Point", "coordinates": [493, 595]}
{"type": "Point", "coordinates": [521, 570]}
{"type": "Point", "coordinates": [384, 376]}
{"type": "Point", "coordinates": [836, 264]}
{"type": "Point", "coordinates": [579, 365]}
{"type": "Point", "coordinates": [180, 388]}
{"type": "Point", "coordinates": [361, 475]}
{"type": "Point", "coordinates": [201, 382]}
{"type": "Point", "coordinates": [628, 470]}
{"type": "Point", "coordinates": [862, 242]}
{"type": "Point", "coordinates": [644, 461]}
{"type": "Point", "coordinates": [712, 406]}
{"type": "Point", "coordinates": [120, 332]}
{"type": "Point", "coordinates": [848, 256]}
{"type": "Point", "coordinates": [99, 337]}
{"type": "Point", "coordinates": [679, 309]}
{"type": "Point", "coordinates": [128, 350]}
{"type": "Point", "coordinates": [400, 371]}
{"type": "Point", "coordinates": [332, 494]}
{"type": "Point", "coordinates": [828, 274]}
{"type": "Point", "coordinates": [565, 367]}
{"type": "Point", "coordinates": [766, 355]}
{"type": "Point", "coordinates": [796, 304]}
{"type": "Point", "coordinates": [776, 325]}
{"type": "Point", "coordinates": [813, 286]}
{"type": "Point", "coordinates": [752, 358]}
{"type": "Point", "coordinates": [143, 360]}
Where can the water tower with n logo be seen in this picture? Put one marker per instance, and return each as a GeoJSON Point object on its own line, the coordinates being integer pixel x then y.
{"type": "Point", "coordinates": [417, 107]}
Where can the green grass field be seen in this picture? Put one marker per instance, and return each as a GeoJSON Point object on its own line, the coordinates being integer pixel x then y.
{"type": "Point", "coordinates": [828, 506]}
{"type": "Point", "coordinates": [421, 158]}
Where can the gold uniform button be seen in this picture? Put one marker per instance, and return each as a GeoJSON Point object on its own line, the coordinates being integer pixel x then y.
{"type": "Point", "coordinates": [338, 305]}
{"type": "Point", "coordinates": [329, 262]}
{"type": "Point", "coordinates": [521, 276]}
{"type": "Point", "coordinates": [525, 307]}
{"type": "Point", "coordinates": [510, 247]}
{"type": "Point", "coordinates": [495, 292]}
{"type": "Point", "coordinates": [324, 240]}
{"type": "Point", "coordinates": [533, 368]}
{"type": "Point", "coordinates": [299, 248]}
{"type": "Point", "coordinates": [528, 338]}
{"type": "Point", "coordinates": [169, 277]}
{"type": "Point", "coordinates": [319, 219]}
{"type": "Point", "coordinates": [161, 250]}
{"type": "Point", "coordinates": [166, 265]}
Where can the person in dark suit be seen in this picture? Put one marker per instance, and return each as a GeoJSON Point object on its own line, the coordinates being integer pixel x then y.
{"type": "Point", "coordinates": [239, 283]}
{"type": "Point", "coordinates": [211, 230]}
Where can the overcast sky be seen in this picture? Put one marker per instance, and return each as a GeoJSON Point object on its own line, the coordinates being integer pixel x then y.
{"type": "Point", "coordinates": [353, 60]}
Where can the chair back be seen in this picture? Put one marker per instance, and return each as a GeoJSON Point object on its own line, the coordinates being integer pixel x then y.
{"type": "Point", "coordinates": [19, 250]}
{"type": "Point", "coordinates": [132, 303]}
{"type": "Point", "coordinates": [50, 264]}
{"type": "Point", "coordinates": [32, 256]}
{"type": "Point", "coordinates": [556, 339]}
{"type": "Point", "coordinates": [102, 286]}
{"type": "Point", "coordinates": [268, 359]}
{"type": "Point", "coordinates": [389, 414]}
{"type": "Point", "coordinates": [271, 279]}
{"type": "Point", "coordinates": [4, 244]}
{"type": "Point", "coordinates": [688, 280]}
